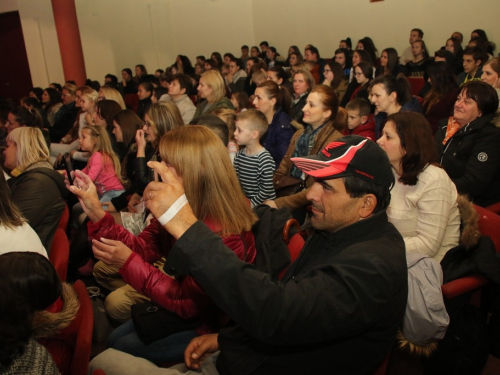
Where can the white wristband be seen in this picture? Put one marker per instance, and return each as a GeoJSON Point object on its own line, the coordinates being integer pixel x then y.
{"type": "Point", "coordinates": [173, 210]}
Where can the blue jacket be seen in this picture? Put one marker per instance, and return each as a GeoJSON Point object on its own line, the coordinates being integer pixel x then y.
{"type": "Point", "coordinates": [277, 138]}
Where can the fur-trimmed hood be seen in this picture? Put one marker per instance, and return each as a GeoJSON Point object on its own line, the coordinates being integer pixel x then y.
{"type": "Point", "coordinates": [469, 222]}
{"type": "Point", "coordinates": [47, 324]}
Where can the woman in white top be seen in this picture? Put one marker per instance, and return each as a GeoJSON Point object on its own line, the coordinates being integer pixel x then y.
{"type": "Point", "coordinates": [15, 232]}
{"type": "Point", "coordinates": [423, 200]}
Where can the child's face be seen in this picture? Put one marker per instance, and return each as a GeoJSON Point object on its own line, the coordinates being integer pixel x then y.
{"type": "Point", "coordinates": [86, 104]}
{"type": "Point", "coordinates": [353, 119]}
{"type": "Point", "coordinates": [86, 142]}
{"type": "Point", "coordinates": [235, 102]}
{"type": "Point", "coordinates": [243, 135]}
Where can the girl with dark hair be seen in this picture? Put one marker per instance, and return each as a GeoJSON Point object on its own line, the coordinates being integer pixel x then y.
{"type": "Point", "coordinates": [417, 66]}
{"type": "Point", "coordinates": [346, 43]}
{"type": "Point", "coordinates": [357, 56]}
{"type": "Point", "coordinates": [389, 63]}
{"type": "Point", "coordinates": [51, 103]}
{"type": "Point", "coordinates": [390, 95]}
{"type": "Point", "coordinates": [271, 55]}
{"type": "Point", "coordinates": [423, 205]}
{"type": "Point", "coordinates": [36, 92]}
{"type": "Point", "coordinates": [255, 52]}
{"type": "Point", "coordinates": [366, 44]}
{"type": "Point", "coordinates": [274, 102]}
{"type": "Point", "coordinates": [439, 101]}
{"type": "Point", "coordinates": [216, 56]}
{"type": "Point", "coordinates": [334, 77]}
{"type": "Point", "coordinates": [140, 73]}
{"type": "Point", "coordinates": [184, 65]}
{"type": "Point", "coordinates": [453, 46]}
{"type": "Point", "coordinates": [49, 310]}
{"type": "Point", "coordinates": [129, 86]}
{"type": "Point", "coordinates": [479, 33]}
{"type": "Point", "coordinates": [294, 58]}
{"type": "Point", "coordinates": [363, 75]}
{"type": "Point", "coordinates": [144, 92]}
{"type": "Point", "coordinates": [20, 117]}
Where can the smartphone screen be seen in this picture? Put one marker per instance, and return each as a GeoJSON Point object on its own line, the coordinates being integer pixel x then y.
{"type": "Point", "coordinates": [68, 167]}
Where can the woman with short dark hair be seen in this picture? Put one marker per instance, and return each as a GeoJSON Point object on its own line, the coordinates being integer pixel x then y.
{"type": "Point", "coordinates": [468, 144]}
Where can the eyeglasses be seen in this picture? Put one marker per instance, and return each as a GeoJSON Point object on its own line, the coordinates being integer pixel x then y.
{"type": "Point", "coordinates": [147, 124]}
{"type": "Point", "coordinates": [358, 74]}
{"type": "Point", "coordinates": [326, 71]}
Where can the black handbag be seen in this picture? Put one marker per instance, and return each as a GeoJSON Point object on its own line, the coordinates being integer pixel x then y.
{"type": "Point", "coordinates": [152, 322]}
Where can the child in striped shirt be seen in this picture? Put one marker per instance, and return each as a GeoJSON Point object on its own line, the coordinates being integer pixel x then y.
{"type": "Point", "coordinates": [254, 164]}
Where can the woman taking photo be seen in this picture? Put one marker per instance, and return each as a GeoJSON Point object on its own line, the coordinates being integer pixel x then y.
{"type": "Point", "coordinates": [38, 191]}
{"type": "Point", "coordinates": [334, 78]}
{"type": "Point", "coordinates": [423, 204]}
{"type": "Point", "coordinates": [199, 160]}
{"type": "Point", "coordinates": [303, 83]}
{"type": "Point", "coordinates": [390, 95]}
{"type": "Point", "coordinates": [468, 144]}
{"type": "Point", "coordinates": [274, 102]}
{"type": "Point", "coordinates": [322, 128]}
{"type": "Point", "coordinates": [439, 101]}
{"type": "Point", "coordinates": [212, 91]}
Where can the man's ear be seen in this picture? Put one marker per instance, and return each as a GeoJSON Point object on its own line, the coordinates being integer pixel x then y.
{"type": "Point", "coordinates": [368, 206]}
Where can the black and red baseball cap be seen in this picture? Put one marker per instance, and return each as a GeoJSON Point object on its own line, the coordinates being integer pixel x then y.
{"type": "Point", "coordinates": [349, 156]}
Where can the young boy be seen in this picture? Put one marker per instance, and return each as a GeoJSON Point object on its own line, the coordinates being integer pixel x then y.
{"type": "Point", "coordinates": [359, 120]}
{"type": "Point", "coordinates": [254, 164]}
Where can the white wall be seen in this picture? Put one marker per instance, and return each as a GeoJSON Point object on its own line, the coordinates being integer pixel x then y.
{"type": "Point", "coordinates": [122, 33]}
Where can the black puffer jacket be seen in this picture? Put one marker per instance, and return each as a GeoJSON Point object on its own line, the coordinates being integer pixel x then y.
{"type": "Point", "coordinates": [471, 157]}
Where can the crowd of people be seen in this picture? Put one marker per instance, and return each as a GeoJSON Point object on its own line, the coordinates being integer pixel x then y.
{"type": "Point", "coordinates": [168, 175]}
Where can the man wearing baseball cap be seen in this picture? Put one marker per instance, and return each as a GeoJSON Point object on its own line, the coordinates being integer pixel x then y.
{"type": "Point", "coordinates": [338, 306]}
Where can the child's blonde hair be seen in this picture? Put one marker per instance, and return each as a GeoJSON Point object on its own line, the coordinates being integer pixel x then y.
{"type": "Point", "coordinates": [255, 119]}
{"type": "Point", "coordinates": [89, 92]}
{"type": "Point", "coordinates": [102, 144]}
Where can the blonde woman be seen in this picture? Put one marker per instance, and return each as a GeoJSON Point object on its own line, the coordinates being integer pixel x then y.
{"type": "Point", "coordinates": [109, 93]}
{"type": "Point", "coordinates": [212, 89]}
{"type": "Point", "coordinates": [38, 191]}
{"type": "Point", "coordinates": [201, 163]}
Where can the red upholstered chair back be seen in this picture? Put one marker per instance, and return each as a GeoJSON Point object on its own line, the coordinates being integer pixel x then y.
{"type": "Point", "coordinates": [85, 321]}
{"type": "Point", "coordinates": [295, 243]}
{"type": "Point", "coordinates": [416, 84]}
{"type": "Point", "coordinates": [132, 101]}
{"type": "Point", "coordinates": [489, 225]}
{"type": "Point", "coordinates": [63, 222]}
{"type": "Point", "coordinates": [59, 253]}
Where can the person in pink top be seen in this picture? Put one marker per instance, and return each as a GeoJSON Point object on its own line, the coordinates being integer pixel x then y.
{"type": "Point", "coordinates": [103, 167]}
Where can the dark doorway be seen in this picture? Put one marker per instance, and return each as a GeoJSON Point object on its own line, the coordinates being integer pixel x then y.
{"type": "Point", "coordinates": [15, 76]}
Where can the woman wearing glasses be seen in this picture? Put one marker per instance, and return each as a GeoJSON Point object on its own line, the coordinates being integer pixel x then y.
{"type": "Point", "coordinates": [334, 77]}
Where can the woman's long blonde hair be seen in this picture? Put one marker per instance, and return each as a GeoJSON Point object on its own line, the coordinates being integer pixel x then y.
{"type": "Point", "coordinates": [103, 145]}
{"type": "Point", "coordinates": [212, 187]}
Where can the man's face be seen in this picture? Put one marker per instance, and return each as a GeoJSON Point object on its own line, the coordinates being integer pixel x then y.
{"type": "Point", "coordinates": [340, 58]}
{"type": "Point", "coordinates": [332, 207]}
{"type": "Point", "coordinates": [263, 47]}
{"type": "Point", "coordinates": [470, 65]}
{"type": "Point", "coordinates": [414, 36]}
{"type": "Point", "coordinates": [308, 56]}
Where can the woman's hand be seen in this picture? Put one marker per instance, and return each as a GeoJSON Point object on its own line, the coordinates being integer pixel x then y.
{"type": "Point", "coordinates": [113, 253]}
{"type": "Point", "coordinates": [199, 348]}
{"type": "Point", "coordinates": [85, 190]}
{"type": "Point", "coordinates": [160, 196]}
{"type": "Point", "coordinates": [134, 201]}
{"type": "Point", "coordinates": [140, 140]}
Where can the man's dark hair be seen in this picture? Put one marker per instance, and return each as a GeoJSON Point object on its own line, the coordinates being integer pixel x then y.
{"type": "Point", "coordinates": [214, 123]}
{"type": "Point", "coordinates": [476, 53]}
{"type": "Point", "coordinates": [201, 57]}
{"type": "Point", "coordinates": [184, 82]}
{"type": "Point", "coordinates": [264, 43]}
{"type": "Point", "coordinates": [420, 32]}
{"type": "Point", "coordinates": [112, 78]}
{"type": "Point", "coordinates": [357, 187]}
{"type": "Point", "coordinates": [313, 50]}
{"type": "Point", "coordinates": [244, 46]}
